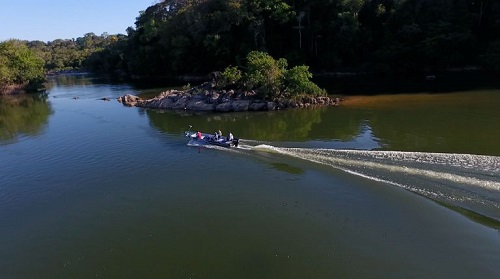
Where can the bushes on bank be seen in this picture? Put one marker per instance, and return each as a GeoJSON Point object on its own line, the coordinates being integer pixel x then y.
{"type": "Point", "coordinates": [230, 77]}
{"type": "Point", "coordinates": [297, 81]}
{"type": "Point", "coordinates": [20, 66]}
{"type": "Point", "coordinates": [271, 78]}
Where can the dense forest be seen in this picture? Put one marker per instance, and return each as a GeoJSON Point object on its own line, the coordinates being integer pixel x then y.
{"type": "Point", "coordinates": [24, 64]}
{"type": "Point", "coordinates": [77, 53]}
{"type": "Point", "coordinates": [196, 37]}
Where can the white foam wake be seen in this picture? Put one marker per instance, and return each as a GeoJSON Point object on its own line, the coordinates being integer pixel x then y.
{"type": "Point", "coordinates": [465, 180]}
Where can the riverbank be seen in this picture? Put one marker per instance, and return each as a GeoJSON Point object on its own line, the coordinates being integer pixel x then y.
{"type": "Point", "coordinates": [206, 98]}
{"type": "Point", "coordinates": [23, 88]}
{"type": "Point", "coordinates": [12, 89]}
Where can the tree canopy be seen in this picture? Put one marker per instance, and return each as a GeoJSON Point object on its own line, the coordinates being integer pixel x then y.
{"type": "Point", "coordinates": [91, 51]}
{"type": "Point", "coordinates": [179, 37]}
{"type": "Point", "coordinates": [19, 65]}
{"type": "Point", "coordinates": [188, 36]}
{"type": "Point", "coordinates": [270, 77]}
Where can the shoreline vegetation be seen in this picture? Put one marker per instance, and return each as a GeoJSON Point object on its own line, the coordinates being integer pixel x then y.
{"type": "Point", "coordinates": [206, 97]}
{"type": "Point", "coordinates": [264, 84]}
{"type": "Point", "coordinates": [21, 70]}
{"type": "Point", "coordinates": [185, 38]}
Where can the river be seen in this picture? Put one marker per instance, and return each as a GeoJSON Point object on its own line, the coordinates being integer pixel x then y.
{"type": "Point", "coordinates": [382, 186]}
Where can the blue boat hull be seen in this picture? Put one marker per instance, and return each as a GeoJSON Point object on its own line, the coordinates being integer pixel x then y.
{"type": "Point", "coordinates": [209, 139]}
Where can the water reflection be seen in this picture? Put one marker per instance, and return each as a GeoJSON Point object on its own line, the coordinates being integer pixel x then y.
{"type": "Point", "coordinates": [287, 168]}
{"type": "Point", "coordinates": [463, 122]}
{"type": "Point", "coordinates": [85, 86]}
{"type": "Point", "coordinates": [70, 80]}
{"type": "Point", "coordinates": [291, 125]}
{"type": "Point", "coordinates": [23, 115]}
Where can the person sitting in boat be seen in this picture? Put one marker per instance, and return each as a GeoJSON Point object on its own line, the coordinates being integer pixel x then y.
{"type": "Point", "coordinates": [198, 134]}
{"type": "Point", "coordinates": [219, 133]}
{"type": "Point", "coordinates": [230, 137]}
{"type": "Point", "coordinates": [216, 136]}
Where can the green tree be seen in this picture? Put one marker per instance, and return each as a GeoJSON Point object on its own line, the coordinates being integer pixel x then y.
{"type": "Point", "coordinates": [297, 82]}
{"type": "Point", "coordinates": [265, 73]}
{"type": "Point", "coordinates": [271, 78]}
{"type": "Point", "coordinates": [20, 66]}
{"type": "Point", "coordinates": [177, 37]}
{"type": "Point", "coordinates": [230, 77]}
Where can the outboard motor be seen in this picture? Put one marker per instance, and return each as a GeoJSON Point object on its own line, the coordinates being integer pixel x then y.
{"type": "Point", "coordinates": [235, 142]}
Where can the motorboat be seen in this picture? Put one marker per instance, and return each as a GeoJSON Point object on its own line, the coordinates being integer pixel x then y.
{"type": "Point", "coordinates": [200, 138]}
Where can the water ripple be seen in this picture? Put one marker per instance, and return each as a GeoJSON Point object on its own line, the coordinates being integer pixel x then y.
{"type": "Point", "coordinates": [464, 180]}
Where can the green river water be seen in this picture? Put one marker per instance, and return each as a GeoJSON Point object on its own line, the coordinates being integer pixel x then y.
{"type": "Point", "coordinates": [382, 186]}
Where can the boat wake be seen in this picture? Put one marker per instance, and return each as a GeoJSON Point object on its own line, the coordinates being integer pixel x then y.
{"type": "Point", "coordinates": [465, 181]}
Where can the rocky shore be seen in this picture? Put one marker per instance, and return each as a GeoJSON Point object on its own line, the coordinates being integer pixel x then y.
{"type": "Point", "coordinates": [206, 98]}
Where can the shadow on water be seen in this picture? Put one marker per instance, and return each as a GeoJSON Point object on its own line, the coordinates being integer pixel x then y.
{"type": "Point", "coordinates": [268, 126]}
{"type": "Point", "coordinates": [287, 168]}
{"type": "Point", "coordinates": [23, 115]}
{"type": "Point", "coordinates": [437, 82]}
{"type": "Point", "coordinates": [474, 216]}
{"type": "Point", "coordinates": [446, 123]}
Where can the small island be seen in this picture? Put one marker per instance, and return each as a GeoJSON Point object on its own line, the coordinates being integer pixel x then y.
{"type": "Point", "coordinates": [266, 84]}
{"type": "Point", "coordinates": [211, 99]}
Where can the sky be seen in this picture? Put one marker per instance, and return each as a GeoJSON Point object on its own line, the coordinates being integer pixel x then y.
{"type": "Point", "coordinates": [47, 20]}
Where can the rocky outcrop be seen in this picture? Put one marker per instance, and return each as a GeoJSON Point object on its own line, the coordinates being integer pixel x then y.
{"type": "Point", "coordinates": [205, 98]}
{"type": "Point", "coordinates": [129, 100]}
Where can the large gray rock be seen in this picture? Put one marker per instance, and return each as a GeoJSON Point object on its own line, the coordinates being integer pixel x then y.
{"type": "Point", "coordinates": [271, 105]}
{"type": "Point", "coordinates": [241, 105]}
{"type": "Point", "coordinates": [200, 106]}
{"type": "Point", "coordinates": [181, 103]}
{"type": "Point", "coordinates": [205, 98]}
{"type": "Point", "coordinates": [224, 107]}
{"type": "Point", "coordinates": [129, 100]}
{"type": "Point", "coordinates": [257, 105]}
{"type": "Point", "coordinates": [213, 98]}
{"type": "Point", "coordinates": [166, 103]}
